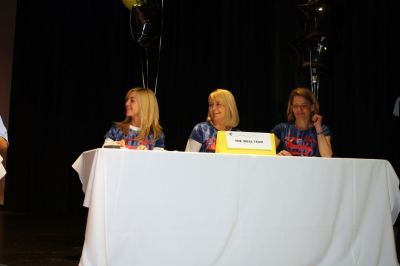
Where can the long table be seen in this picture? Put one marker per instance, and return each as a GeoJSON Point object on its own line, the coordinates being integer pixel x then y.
{"type": "Point", "coordinates": [164, 208]}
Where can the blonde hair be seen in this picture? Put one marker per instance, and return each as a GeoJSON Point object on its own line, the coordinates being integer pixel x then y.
{"type": "Point", "coordinates": [148, 111]}
{"type": "Point", "coordinates": [308, 95]}
{"type": "Point", "coordinates": [226, 98]}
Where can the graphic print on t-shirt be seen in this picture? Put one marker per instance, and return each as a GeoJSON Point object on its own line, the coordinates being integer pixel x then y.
{"type": "Point", "coordinates": [133, 144]}
{"type": "Point", "coordinates": [300, 146]}
{"type": "Point", "coordinates": [210, 144]}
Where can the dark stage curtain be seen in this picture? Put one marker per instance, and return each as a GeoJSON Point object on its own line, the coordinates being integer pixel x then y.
{"type": "Point", "coordinates": [75, 60]}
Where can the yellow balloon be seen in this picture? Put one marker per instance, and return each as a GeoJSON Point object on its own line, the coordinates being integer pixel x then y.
{"type": "Point", "coordinates": [133, 3]}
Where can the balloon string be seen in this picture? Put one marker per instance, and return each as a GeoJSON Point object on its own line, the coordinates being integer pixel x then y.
{"type": "Point", "coordinates": [159, 47]}
{"type": "Point", "coordinates": [141, 54]}
{"type": "Point", "coordinates": [145, 58]}
{"type": "Point", "coordinates": [147, 67]}
{"type": "Point", "coordinates": [142, 64]}
{"type": "Point", "coordinates": [130, 24]}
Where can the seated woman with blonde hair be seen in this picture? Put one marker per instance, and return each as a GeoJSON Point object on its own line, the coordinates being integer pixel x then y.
{"type": "Point", "coordinates": [222, 115]}
{"type": "Point", "coordinates": [140, 129]}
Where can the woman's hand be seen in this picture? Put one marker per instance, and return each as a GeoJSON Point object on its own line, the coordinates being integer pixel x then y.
{"type": "Point", "coordinates": [324, 142]}
{"type": "Point", "coordinates": [284, 153]}
{"type": "Point", "coordinates": [141, 147]}
{"type": "Point", "coordinates": [121, 143]}
{"type": "Point", "coordinates": [317, 120]}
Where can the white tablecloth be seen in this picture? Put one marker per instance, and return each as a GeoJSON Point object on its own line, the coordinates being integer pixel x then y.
{"type": "Point", "coordinates": [149, 208]}
{"type": "Point", "coordinates": [2, 169]}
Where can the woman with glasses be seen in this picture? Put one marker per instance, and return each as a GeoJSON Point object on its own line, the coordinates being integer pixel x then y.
{"type": "Point", "coordinates": [303, 134]}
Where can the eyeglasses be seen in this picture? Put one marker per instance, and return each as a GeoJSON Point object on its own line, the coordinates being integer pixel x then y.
{"type": "Point", "coordinates": [302, 106]}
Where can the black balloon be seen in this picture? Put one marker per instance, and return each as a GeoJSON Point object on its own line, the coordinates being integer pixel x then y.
{"type": "Point", "coordinates": [310, 47]}
{"type": "Point", "coordinates": [312, 14]}
{"type": "Point", "coordinates": [147, 21]}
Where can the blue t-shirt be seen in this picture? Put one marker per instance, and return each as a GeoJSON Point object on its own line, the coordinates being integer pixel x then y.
{"type": "Point", "coordinates": [299, 142]}
{"type": "Point", "coordinates": [116, 134]}
{"type": "Point", "coordinates": [206, 134]}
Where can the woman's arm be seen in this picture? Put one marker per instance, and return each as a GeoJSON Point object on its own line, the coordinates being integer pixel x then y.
{"type": "Point", "coordinates": [3, 146]}
{"type": "Point", "coordinates": [277, 141]}
{"type": "Point", "coordinates": [324, 142]}
{"type": "Point", "coordinates": [324, 145]}
{"type": "Point", "coordinates": [282, 152]}
{"type": "Point", "coordinates": [110, 142]}
{"type": "Point", "coordinates": [192, 146]}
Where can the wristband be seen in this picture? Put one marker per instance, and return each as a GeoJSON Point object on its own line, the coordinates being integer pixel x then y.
{"type": "Point", "coordinates": [320, 133]}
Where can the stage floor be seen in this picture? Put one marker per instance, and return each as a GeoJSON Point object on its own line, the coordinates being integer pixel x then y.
{"type": "Point", "coordinates": [40, 240]}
